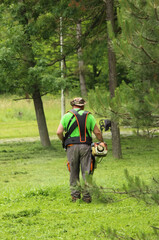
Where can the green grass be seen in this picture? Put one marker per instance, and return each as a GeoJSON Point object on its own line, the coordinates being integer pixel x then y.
{"type": "Point", "coordinates": [35, 200]}
{"type": "Point", "coordinates": [18, 118]}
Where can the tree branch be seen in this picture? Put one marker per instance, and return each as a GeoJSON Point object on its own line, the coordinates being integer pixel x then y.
{"type": "Point", "coordinates": [55, 61]}
{"type": "Point", "coordinates": [99, 114]}
{"type": "Point", "coordinates": [141, 64]}
{"type": "Point", "coordinates": [141, 18]}
{"type": "Point", "coordinates": [144, 51]}
{"type": "Point", "coordinates": [150, 40]}
{"type": "Point", "coordinates": [148, 55]}
{"type": "Point", "coordinates": [25, 98]}
{"type": "Point", "coordinates": [156, 14]}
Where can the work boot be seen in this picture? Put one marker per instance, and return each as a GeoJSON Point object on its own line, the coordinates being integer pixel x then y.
{"type": "Point", "coordinates": [87, 199]}
{"type": "Point", "coordinates": [75, 198]}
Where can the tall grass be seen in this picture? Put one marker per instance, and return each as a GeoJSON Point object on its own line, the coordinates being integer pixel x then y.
{"type": "Point", "coordinates": [18, 119]}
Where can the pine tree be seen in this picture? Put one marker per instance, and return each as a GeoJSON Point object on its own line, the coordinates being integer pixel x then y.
{"type": "Point", "coordinates": [116, 145]}
{"type": "Point", "coordinates": [137, 48]}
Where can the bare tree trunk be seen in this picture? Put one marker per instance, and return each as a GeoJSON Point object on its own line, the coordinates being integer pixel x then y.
{"type": "Point", "coordinates": [80, 61]}
{"type": "Point", "coordinates": [40, 116]}
{"type": "Point", "coordinates": [30, 62]}
{"type": "Point", "coordinates": [116, 145]}
{"type": "Point", "coordinates": [62, 69]}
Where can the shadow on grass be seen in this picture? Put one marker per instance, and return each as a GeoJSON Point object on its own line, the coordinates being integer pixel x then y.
{"type": "Point", "coordinates": [21, 214]}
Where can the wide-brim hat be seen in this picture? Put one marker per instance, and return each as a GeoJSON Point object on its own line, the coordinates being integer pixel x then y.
{"type": "Point", "coordinates": [78, 102]}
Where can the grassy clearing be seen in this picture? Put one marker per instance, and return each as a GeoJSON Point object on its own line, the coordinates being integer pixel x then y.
{"type": "Point", "coordinates": [18, 117]}
{"type": "Point", "coordinates": [35, 199]}
{"type": "Point", "coordinates": [18, 120]}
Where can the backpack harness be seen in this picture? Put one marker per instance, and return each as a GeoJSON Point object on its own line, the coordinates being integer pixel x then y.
{"type": "Point", "coordinates": [81, 124]}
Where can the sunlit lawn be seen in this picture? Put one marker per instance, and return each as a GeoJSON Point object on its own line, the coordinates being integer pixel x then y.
{"type": "Point", "coordinates": [18, 120]}
{"type": "Point", "coordinates": [35, 200]}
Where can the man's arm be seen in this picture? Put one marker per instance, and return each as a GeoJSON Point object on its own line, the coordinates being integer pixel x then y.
{"type": "Point", "coordinates": [98, 133]}
{"type": "Point", "coordinates": [60, 131]}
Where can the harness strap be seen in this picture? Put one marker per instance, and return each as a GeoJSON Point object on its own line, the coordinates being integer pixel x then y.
{"type": "Point", "coordinates": [76, 140]}
{"type": "Point", "coordinates": [80, 123]}
{"type": "Point", "coordinates": [71, 119]}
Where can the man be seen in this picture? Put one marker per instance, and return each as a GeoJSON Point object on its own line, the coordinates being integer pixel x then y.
{"type": "Point", "coordinates": [78, 125]}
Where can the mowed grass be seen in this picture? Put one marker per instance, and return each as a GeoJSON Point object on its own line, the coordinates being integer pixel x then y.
{"type": "Point", "coordinates": [35, 200]}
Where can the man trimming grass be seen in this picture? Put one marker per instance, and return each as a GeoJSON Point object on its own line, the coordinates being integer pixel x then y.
{"type": "Point", "coordinates": [78, 125]}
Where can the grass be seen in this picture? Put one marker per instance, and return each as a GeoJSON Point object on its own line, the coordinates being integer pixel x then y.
{"type": "Point", "coordinates": [18, 117]}
{"type": "Point", "coordinates": [35, 198]}
{"type": "Point", "coordinates": [18, 120]}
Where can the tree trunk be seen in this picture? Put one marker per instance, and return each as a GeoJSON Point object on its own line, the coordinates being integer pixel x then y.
{"type": "Point", "coordinates": [62, 69]}
{"type": "Point", "coordinates": [40, 116]}
{"type": "Point", "coordinates": [116, 146]}
{"type": "Point", "coordinates": [80, 61]}
{"type": "Point", "coordinates": [30, 62]}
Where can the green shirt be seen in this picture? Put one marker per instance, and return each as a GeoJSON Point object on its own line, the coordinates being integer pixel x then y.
{"type": "Point", "coordinates": [90, 124]}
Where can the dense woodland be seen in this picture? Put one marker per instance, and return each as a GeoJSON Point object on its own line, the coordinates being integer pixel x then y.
{"type": "Point", "coordinates": [104, 50]}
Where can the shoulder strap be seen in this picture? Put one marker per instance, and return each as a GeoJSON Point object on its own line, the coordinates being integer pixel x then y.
{"type": "Point", "coordinates": [71, 119]}
{"type": "Point", "coordinates": [81, 123]}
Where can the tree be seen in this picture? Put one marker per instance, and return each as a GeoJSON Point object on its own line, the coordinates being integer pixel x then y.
{"type": "Point", "coordinates": [137, 48]}
{"type": "Point", "coordinates": [112, 76]}
{"type": "Point", "coordinates": [92, 20]}
{"type": "Point", "coordinates": [86, 28]}
{"type": "Point", "coordinates": [80, 61]}
{"type": "Point", "coordinates": [28, 29]}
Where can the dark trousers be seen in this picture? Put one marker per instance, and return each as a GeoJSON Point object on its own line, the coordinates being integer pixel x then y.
{"type": "Point", "coordinates": [79, 156]}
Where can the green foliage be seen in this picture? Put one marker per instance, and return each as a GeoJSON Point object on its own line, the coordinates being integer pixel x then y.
{"type": "Point", "coordinates": [140, 190]}
{"type": "Point", "coordinates": [99, 101]}
{"type": "Point", "coordinates": [24, 55]}
{"type": "Point", "coordinates": [136, 47]}
{"type": "Point", "coordinates": [30, 34]}
{"type": "Point", "coordinates": [95, 61]}
{"type": "Point", "coordinates": [141, 111]}
{"type": "Point", "coordinates": [30, 45]}
{"type": "Point", "coordinates": [45, 25]}
{"type": "Point", "coordinates": [130, 106]}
